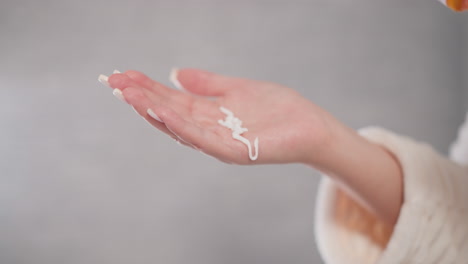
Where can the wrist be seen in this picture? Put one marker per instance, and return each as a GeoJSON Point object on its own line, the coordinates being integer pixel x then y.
{"type": "Point", "coordinates": [361, 168]}
{"type": "Point", "coordinates": [327, 145]}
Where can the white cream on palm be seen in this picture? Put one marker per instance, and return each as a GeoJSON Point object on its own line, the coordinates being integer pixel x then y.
{"type": "Point", "coordinates": [235, 124]}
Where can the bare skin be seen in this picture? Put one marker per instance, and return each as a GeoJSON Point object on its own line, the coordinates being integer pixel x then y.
{"type": "Point", "coordinates": [290, 128]}
{"type": "Point", "coordinates": [268, 110]}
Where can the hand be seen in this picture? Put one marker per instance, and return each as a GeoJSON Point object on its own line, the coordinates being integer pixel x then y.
{"type": "Point", "coordinates": [289, 127]}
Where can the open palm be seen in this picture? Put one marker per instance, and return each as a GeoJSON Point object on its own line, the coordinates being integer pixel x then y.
{"type": "Point", "coordinates": [288, 126]}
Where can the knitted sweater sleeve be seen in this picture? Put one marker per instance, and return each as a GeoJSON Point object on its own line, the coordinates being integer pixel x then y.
{"type": "Point", "coordinates": [433, 223]}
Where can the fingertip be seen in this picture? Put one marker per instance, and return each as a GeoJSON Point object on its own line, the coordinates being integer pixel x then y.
{"type": "Point", "coordinates": [140, 103]}
{"type": "Point", "coordinates": [119, 80]}
{"type": "Point", "coordinates": [203, 82]}
{"type": "Point", "coordinates": [152, 114]}
{"type": "Point", "coordinates": [146, 82]}
{"type": "Point", "coordinates": [136, 75]}
{"type": "Point", "coordinates": [171, 119]}
{"type": "Point", "coordinates": [119, 95]}
{"type": "Point", "coordinates": [174, 78]}
{"type": "Point", "coordinates": [104, 80]}
{"type": "Point", "coordinates": [132, 95]}
{"type": "Point", "coordinates": [167, 114]}
{"type": "Point", "coordinates": [186, 77]}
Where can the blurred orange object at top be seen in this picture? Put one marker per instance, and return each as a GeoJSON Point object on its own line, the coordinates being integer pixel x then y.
{"type": "Point", "coordinates": [457, 5]}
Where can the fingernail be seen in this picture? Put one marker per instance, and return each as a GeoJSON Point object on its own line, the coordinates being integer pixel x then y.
{"type": "Point", "coordinates": [174, 80]}
{"type": "Point", "coordinates": [116, 71]}
{"type": "Point", "coordinates": [153, 115]}
{"type": "Point", "coordinates": [104, 80]}
{"type": "Point", "coordinates": [118, 93]}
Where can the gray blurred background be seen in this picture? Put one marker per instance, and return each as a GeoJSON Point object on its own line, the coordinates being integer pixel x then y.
{"type": "Point", "coordinates": [83, 179]}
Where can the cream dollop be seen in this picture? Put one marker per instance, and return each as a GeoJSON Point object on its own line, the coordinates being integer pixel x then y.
{"type": "Point", "coordinates": [235, 124]}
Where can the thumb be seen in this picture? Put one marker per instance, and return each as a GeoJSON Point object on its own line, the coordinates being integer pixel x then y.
{"type": "Point", "coordinates": [203, 82]}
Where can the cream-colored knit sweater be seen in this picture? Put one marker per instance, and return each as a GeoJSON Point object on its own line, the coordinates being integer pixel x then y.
{"type": "Point", "coordinates": [433, 224]}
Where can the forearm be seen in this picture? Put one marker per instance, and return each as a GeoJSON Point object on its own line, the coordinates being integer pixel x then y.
{"type": "Point", "coordinates": [368, 172]}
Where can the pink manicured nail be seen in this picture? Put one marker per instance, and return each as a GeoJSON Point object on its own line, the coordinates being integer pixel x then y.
{"type": "Point", "coordinates": [118, 93]}
{"type": "Point", "coordinates": [153, 115]}
{"type": "Point", "coordinates": [174, 80]}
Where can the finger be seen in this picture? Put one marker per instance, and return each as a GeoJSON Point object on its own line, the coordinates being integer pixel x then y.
{"type": "Point", "coordinates": [121, 81]}
{"type": "Point", "coordinates": [205, 140]}
{"type": "Point", "coordinates": [158, 92]}
{"type": "Point", "coordinates": [202, 139]}
{"type": "Point", "coordinates": [203, 82]}
{"type": "Point", "coordinates": [149, 83]}
{"type": "Point", "coordinates": [141, 103]}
